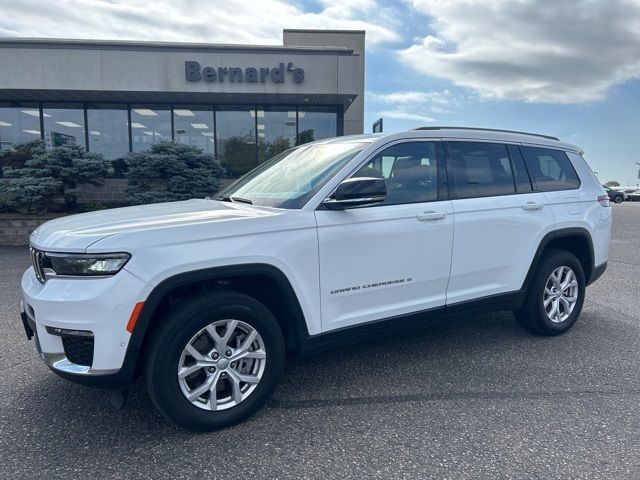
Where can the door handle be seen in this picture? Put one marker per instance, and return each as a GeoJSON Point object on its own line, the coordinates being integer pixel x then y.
{"type": "Point", "coordinates": [532, 206]}
{"type": "Point", "coordinates": [429, 216]}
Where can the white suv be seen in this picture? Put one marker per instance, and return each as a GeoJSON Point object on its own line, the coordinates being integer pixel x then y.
{"type": "Point", "coordinates": [325, 244]}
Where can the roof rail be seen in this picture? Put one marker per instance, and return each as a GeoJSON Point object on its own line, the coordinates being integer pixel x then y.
{"type": "Point", "coordinates": [549, 137]}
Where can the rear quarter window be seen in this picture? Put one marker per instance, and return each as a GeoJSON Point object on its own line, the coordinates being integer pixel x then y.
{"type": "Point", "coordinates": [550, 169]}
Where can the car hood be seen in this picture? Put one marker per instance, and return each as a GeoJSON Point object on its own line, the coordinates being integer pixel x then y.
{"type": "Point", "coordinates": [156, 223]}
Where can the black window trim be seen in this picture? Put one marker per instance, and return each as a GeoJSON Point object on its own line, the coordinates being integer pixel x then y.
{"type": "Point", "coordinates": [442, 193]}
{"type": "Point", "coordinates": [518, 147]}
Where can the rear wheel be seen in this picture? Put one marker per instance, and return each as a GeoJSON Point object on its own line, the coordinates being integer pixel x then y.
{"type": "Point", "coordinates": [215, 361]}
{"type": "Point", "coordinates": [618, 199]}
{"type": "Point", "coordinates": [555, 296]}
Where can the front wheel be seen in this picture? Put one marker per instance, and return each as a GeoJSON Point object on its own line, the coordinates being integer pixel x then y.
{"type": "Point", "coordinates": [555, 296]}
{"type": "Point", "coordinates": [214, 361]}
{"type": "Point", "coordinates": [618, 199]}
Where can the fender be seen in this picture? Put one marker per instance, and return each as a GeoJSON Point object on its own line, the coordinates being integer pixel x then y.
{"type": "Point", "coordinates": [163, 288]}
{"type": "Point", "coordinates": [128, 372]}
{"type": "Point", "coordinates": [562, 232]}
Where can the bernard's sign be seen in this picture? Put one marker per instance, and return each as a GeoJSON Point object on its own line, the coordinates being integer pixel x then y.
{"type": "Point", "coordinates": [193, 72]}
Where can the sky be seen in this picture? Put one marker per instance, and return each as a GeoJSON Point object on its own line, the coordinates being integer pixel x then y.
{"type": "Point", "coordinates": [569, 68]}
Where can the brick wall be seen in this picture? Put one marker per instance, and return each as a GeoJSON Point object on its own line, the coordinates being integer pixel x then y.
{"type": "Point", "coordinates": [15, 228]}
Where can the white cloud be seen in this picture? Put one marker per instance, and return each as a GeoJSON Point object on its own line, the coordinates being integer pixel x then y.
{"type": "Point", "coordinates": [231, 21]}
{"type": "Point", "coordinates": [569, 51]}
{"type": "Point", "coordinates": [411, 97]}
{"type": "Point", "coordinates": [415, 105]}
{"type": "Point", "coordinates": [402, 114]}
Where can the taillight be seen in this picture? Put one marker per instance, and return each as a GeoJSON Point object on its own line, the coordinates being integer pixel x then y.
{"type": "Point", "coordinates": [603, 200]}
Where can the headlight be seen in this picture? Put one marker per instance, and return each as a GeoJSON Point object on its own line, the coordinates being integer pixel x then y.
{"type": "Point", "coordinates": [99, 264]}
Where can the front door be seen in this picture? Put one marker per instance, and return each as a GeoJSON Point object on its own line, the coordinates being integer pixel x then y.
{"type": "Point", "coordinates": [392, 258]}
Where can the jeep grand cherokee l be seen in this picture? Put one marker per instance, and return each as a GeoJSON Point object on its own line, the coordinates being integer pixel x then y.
{"type": "Point", "coordinates": [322, 245]}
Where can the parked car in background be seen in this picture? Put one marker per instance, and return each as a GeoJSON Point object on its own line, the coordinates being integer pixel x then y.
{"type": "Point", "coordinates": [634, 197]}
{"type": "Point", "coordinates": [615, 196]}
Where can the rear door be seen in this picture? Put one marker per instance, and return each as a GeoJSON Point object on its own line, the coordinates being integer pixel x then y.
{"type": "Point", "coordinates": [498, 219]}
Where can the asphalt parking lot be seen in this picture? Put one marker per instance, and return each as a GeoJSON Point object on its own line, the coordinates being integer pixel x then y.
{"type": "Point", "coordinates": [474, 398]}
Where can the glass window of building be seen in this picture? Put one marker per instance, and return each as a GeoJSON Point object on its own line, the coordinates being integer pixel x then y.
{"type": "Point", "coordinates": [149, 124]}
{"type": "Point", "coordinates": [276, 131]}
{"type": "Point", "coordinates": [63, 124]}
{"type": "Point", "coordinates": [316, 123]}
{"type": "Point", "coordinates": [194, 126]}
{"type": "Point", "coordinates": [108, 132]}
{"type": "Point", "coordinates": [19, 122]}
{"type": "Point", "coordinates": [236, 138]}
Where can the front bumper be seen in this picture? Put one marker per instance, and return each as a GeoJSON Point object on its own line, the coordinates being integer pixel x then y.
{"type": "Point", "coordinates": [81, 313]}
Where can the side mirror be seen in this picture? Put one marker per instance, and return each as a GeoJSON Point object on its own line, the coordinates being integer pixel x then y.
{"type": "Point", "coordinates": [357, 192]}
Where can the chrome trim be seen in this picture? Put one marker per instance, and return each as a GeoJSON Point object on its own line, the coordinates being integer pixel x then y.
{"type": "Point", "coordinates": [360, 202]}
{"type": "Point", "coordinates": [36, 262]}
{"type": "Point", "coordinates": [58, 362]}
{"type": "Point", "coordinates": [57, 331]}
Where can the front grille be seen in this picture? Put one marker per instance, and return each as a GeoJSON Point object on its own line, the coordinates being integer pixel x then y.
{"type": "Point", "coordinates": [37, 258]}
{"type": "Point", "coordinates": [79, 350]}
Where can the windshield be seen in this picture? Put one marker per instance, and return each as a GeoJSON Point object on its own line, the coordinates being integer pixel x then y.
{"type": "Point", "coordinates": [291, 178]}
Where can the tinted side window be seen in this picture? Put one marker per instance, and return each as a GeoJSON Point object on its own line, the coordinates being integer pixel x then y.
{"type": "Point", "coordinates": [550, 169]}
{"type": "Point", "coordinates": [409, 170]}
{"type": "Point", "coordinates": [480, 169]}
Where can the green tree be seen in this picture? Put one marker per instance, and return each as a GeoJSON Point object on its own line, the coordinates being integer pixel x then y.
{"type": "Point", "coordinates": [279, 145]}
{"type": "Point", "coordinates": [266, 150]}
{"type": "Point", "coordinates": [612, 183]}
{"type": "Point", "coordinates": [50, 175]}
{"type": "Point", "coordinates": [305, 136]}
{"type": "Point", "coordinates": [16, 156]}
{"type": "Point", "coordinates": [171, 171]}
{"type": "Point", "coordinates": [239, 155]}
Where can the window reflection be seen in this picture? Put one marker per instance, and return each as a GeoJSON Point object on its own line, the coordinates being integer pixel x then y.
{"type": "Point", "coordinates": [63, 124]}
{"type": "Point", "coordinates": [194, 126]}
{"type": "Point", "coordinates": [316, 123]}
{"type": "Point", "coordinates": [108, 132]}
{"type": "Point", "coordinates": [240, 136]}
{"type": "Point", "coordinates": [19, 122]}
{"type": "Point", "coordinates": [149, 124]}
{"type": "Point", "coordinates": [276, 131]}
{"type": "Point", "coordinates": [236, 131]}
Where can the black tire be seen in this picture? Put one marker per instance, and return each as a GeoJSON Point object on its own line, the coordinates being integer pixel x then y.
{"type": "Point", "coordinates": [532, 314]}
{"type": "Point", "coordinates": [172, 336]}
{"type": "Point", "coordinates": [618, 199]}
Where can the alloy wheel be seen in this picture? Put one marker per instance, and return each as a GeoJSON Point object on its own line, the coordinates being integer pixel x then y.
{"type": "Point", "coordinates": [221, 365]}
{"type": "Point", "coordinates": [560, 294]}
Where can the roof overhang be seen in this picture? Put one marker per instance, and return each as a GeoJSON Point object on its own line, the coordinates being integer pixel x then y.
{"type": "Point", "coordinates": [207, 98]}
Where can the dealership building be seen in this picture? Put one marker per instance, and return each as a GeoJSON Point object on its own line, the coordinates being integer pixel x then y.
{"type": "Point", "coordinates": [242, 103]}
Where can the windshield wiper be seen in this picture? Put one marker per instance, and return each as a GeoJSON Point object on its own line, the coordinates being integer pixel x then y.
{"type": "Point", "coordinates": [222, 198]}
{"type": "Point", "coordinates": [241, 200]}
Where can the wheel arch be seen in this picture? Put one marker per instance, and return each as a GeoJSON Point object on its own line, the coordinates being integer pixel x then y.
{"type": "Point", "coordinates": [576, 240]}
{"type": "Point", "coordinates": [266, 283]}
